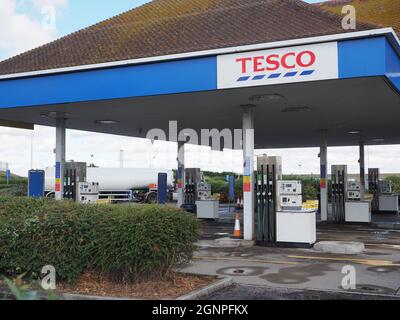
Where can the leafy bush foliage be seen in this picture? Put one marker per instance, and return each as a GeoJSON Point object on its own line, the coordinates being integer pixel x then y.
{"type": "Point", "coordinates": [17, 289]}
{"type": "Point", "coordinates": [17, 190]}
{"type": "Point", "coordinates": [220, 185]}
{"type": "Point", "coordinates": [127, 242]}
{"type": "Point", "coordinates": [396, 182]}
{"type": "Point", "coordinates": [14, 179]}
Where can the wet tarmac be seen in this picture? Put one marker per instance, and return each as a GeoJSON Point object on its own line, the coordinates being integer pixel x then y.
{"type": "Point", "coordinates": [290, 273]}
{"type": "Point", "coordinates": [249, 292]}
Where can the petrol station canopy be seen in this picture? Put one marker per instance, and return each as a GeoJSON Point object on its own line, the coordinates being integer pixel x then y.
{"type": "Point", "coordinates": [201, 61]}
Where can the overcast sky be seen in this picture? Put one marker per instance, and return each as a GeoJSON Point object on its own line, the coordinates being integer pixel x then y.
{"type": "Point", "coordinates": [21, 28]}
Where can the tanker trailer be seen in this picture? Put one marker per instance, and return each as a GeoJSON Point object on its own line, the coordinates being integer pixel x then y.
{"type": "Point", "coordinates": [120, 184]}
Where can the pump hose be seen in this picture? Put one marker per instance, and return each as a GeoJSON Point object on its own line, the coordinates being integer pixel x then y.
{"type": "Point", "coordinates": [259, 208]}
{"type": "Point", "coordinates": [259, 221]}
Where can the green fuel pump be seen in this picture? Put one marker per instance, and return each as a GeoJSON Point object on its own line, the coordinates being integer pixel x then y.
{"type": "Point", "coordinates": [339, 193]}
{"type": "Point", "coordinates": [266, 206]}
{"type": "Point", "coordinates": [260, 205]}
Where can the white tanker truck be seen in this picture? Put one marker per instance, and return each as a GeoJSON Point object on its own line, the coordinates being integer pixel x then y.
{"type": "Point", "coordinates": [120, 184]}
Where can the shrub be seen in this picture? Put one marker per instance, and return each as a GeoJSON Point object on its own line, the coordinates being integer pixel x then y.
{"type": "Point", "coordinates": [396, 182]}
{"type": "Point", "coordinates": [17, 190]}
{"type": "Point", "coordinates": [220, 185]}
{"type": "Point", "coordinates": [142, 241]}
{"type": "Point", "coordinates": [14, 179]}
{"type": "Point", "coordinates": [127, 242]}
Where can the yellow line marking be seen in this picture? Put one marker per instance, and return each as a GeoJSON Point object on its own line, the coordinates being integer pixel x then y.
{"type": "Point", "coordinates": [383, 245]}
{"type": "Point", "coordinates": [368, 262]}
{"type": "Point", "coordinates": [244, 260]}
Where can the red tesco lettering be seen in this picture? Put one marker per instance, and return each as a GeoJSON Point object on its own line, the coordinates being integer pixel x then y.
{"type": "Point", "coordinates": [273, 62]}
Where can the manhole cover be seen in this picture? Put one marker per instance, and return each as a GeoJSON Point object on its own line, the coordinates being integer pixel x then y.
{"type": "Point", "coordinates": [242, 271]}
{"type": "Point", "coordinates": [238, 271]}
{"type": "Point", "coordinates": [366, 288]}
{"type": "Point", "coordinates": [369, 288]}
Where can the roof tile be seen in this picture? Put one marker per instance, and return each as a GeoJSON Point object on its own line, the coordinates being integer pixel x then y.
{"type": "Point", "coordinates": [382, 12]}
{"type": "Point", "coordinates": [164, 27]}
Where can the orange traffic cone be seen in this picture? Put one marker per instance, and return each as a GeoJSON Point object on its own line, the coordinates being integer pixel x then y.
{"type": "Point", "coordinates": [237, 233]}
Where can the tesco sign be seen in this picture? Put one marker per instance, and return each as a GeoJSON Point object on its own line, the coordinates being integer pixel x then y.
{"type": "Point", "coordinates": [275, 66]}
{"type": "Point", "coordinates": [273, 62]}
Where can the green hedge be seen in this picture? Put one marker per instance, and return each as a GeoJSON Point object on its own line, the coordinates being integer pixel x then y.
{"type": "Point", "coordinates": [126, 242]}
{"type": "Point", "coordinates": [220, 185]}
{"type": "Point", "coordinates": [14, 179]}
{"type": "Point", "coordinates": [15, 190]}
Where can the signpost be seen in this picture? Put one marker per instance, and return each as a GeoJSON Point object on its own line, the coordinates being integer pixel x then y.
{"type": "Point", "coordinates": [8, 176]}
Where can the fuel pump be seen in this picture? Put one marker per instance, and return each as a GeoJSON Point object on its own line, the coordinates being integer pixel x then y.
{"type": "Point", "coordinates": [70, 184]}
{"type": "Point", "coordinates": [195, 188]}
{"type": "Point", "coordinates": [260, 194]}
{"type": "Point", "coordinates": [271, 209]}
{"type": "Point", "coordinates": [266, 204]}
{"type": "Point", "coordinates": [281, 220]}
{"type": "Point", "coordinates": [373, 187]}
{"type": "Point", "coordinates": [189, 194]}
{"type": "Point", "coordinates": [339, 192]}
{"type": "Point", "coordinates": [74, 172]}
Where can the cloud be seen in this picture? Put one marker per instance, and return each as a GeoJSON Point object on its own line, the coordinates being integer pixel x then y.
{"type": "Point", "coordinates": [56, 3]}
{"type": "Point", "coordinates": [21, 25]}
{"type": "Point", "coordinates": [15, 146]}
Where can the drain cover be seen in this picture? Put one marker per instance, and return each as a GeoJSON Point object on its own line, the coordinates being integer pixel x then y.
{"type": "Point", "coordinates": [242, 271]}
{"type": "Point", "coordinates": [238, 271]}
{"type": "Point", "coordinates": [374, 289]}
{"type": "Point", "coordinates": [366, 288]}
